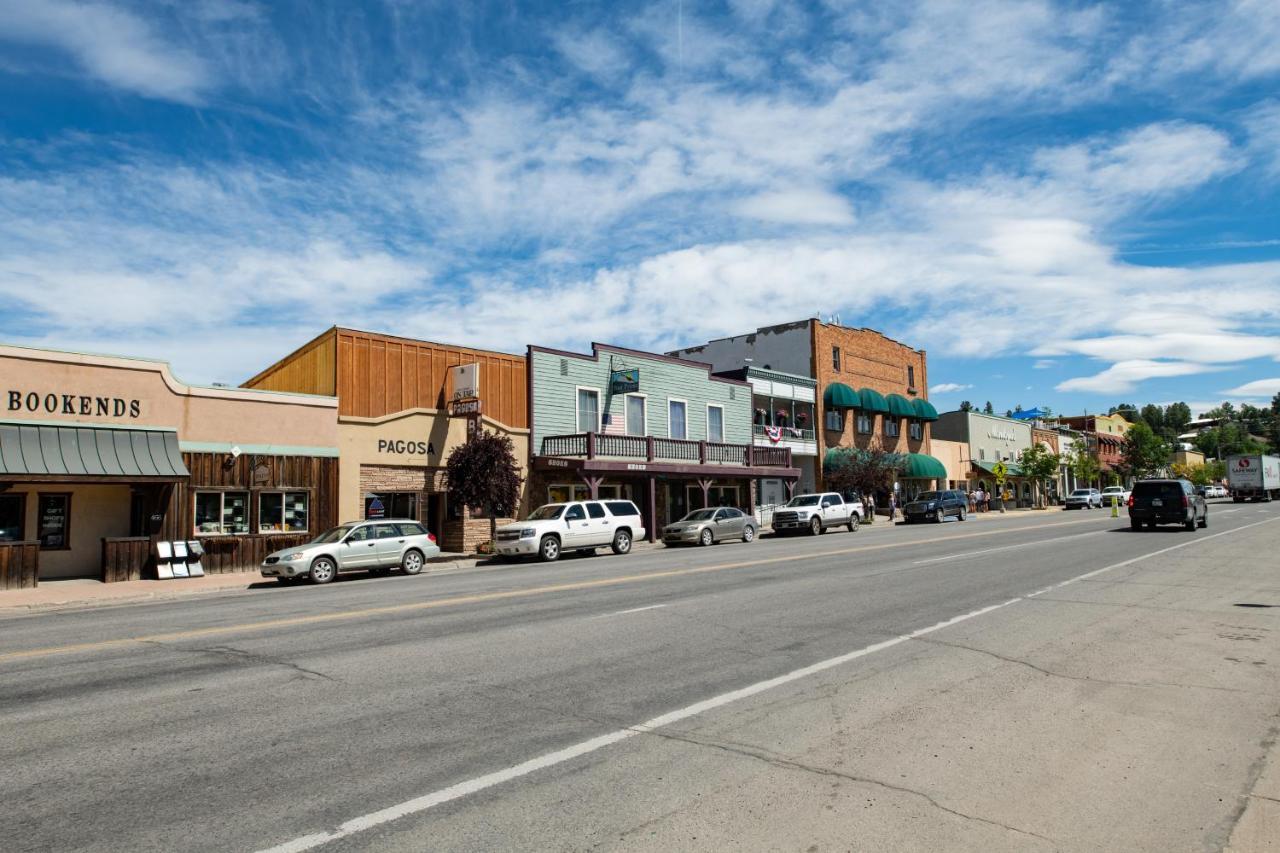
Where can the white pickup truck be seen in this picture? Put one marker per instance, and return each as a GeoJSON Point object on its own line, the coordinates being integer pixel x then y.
{"type": "Point", "coordinates": [817, 513]}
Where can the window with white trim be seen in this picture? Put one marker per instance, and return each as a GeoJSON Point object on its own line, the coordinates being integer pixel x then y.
{"type": "Point", "coordinates": [588, 410]}
{"type": "Point", "coordinates": [677, 420]}
{"type": "Point", "coordinates": [637, 420]}
{"type": "Point", "coordinates": [222, 512]}
{"type": "Point", "coordinates": [864, 423]}
{"type": "Point", "coordinates": [917, 430]}
{"type": "Point", "coordinates": [715, 424]}
{"type": "Point", "coordinates": [283, 512]}
{"type": "Point", "coordinates": [891, 427]}
{"type": "Point", "coordinates": [835, 420]}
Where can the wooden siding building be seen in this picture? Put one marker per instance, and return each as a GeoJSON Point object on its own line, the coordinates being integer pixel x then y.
{"type": "Point", "coordinates": [394, 431]}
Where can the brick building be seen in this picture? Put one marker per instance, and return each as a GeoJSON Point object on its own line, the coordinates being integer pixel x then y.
{"type": "Point", "coordinates": [872, 390]}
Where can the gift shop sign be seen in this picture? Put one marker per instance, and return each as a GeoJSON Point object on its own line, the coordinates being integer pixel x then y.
{"type": "Point", "coordinates": [61, 403]}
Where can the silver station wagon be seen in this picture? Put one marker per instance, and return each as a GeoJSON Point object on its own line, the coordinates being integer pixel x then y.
{"type": "Point", "coordinates": [373, 545]}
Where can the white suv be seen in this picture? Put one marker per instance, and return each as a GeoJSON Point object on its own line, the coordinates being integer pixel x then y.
{"type": "Point", "coordinates": [553, 529]}
{"type": "Point", "coordinates": [816, 513]}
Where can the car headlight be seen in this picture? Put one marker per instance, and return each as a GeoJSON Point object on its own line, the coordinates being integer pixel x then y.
{"type": "Point", "coordinates": [528, 533]}
{"type": "Point", "coordinates": [298, 556]}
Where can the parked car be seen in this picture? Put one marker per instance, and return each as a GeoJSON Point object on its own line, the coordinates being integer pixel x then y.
{"type": "Point", "coordinates": [1167, 502]}
{"type": "Point", "coordinates": [1083, 499]}
{"type": "Point", "coordinates": [1120, 493]}
{"type": "Point", "coordinates": [581, 526]}
{"type": "Point", "coordinates": [936, 506]}
{"type": "Point", "coordinates": [711, 525]}
{"type": "Point", "coordinates": [817, 513]}
{"type": "Point", "coordinates": [1215, 491]}
{"type": "Point", "coordinates": [372, 545]}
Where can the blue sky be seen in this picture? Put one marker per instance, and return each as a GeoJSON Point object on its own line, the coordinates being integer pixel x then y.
{"type": "Point", "coordinates": [1066, 204]}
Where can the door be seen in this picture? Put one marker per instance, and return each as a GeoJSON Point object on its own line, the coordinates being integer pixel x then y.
{"type": "Point", "coordinates": [577, 530]}
{"type": "Point", "coordinates": [359, 550]}
{"type": "Point", "coordinates": [390, 544]}
{"type": "Point", "coordinates": [835, 513]}
{"type": "Point", "coordinates": [729, 524]}
{"type": "Point", "coordinates": [601, 529]}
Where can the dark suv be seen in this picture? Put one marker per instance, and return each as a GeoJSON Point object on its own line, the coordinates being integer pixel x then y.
{"type": "Point", "coordinates": [936, 506]}
{"type": "Point", "coordinates": [1167, 502]}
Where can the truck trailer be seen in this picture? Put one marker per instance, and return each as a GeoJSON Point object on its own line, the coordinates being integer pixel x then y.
{"type": "Point", "coordinates": [1253, 477]}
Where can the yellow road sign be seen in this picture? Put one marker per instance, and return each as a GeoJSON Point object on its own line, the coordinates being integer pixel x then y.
{"type": "Point", "coordinates": [1000, 469]}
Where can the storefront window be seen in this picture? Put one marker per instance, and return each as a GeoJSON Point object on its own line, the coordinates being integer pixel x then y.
{"type": "Point", "coordinates": [564, 492]}
{"type": "Point", "coordinates": [282, 512]}
{"type": "Point", "coordinates": [11, 517]}
{"type": "Point", "coordinates": [222, 512]}
{"type": "Point", "coordinates": [391, 505]}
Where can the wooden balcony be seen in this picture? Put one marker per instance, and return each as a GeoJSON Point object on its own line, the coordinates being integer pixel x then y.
{"type": "Point", "coordinates": [590, 445]}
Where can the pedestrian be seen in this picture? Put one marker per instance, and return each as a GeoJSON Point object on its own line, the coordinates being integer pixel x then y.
{"type": "Point", "coordinates": [973, 503]}
{"type": "Point", "coordinates": [871, 507]}
{"type": "Point", "coordinates": [893, 506]}
{"type": "Point", "coordinates": [977, 496]}
{"type": "Point", "coordinates": [986, 501]}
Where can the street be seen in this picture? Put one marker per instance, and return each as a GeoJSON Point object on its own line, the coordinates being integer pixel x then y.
{"type": "Point", "coordinates": [1040, 681]}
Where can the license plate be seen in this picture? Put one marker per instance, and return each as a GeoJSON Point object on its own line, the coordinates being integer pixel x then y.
{"type": "Point", "coordinates": [1157, 502]}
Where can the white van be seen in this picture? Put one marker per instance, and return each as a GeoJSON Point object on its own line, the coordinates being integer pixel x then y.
{"type": "Point", "coordinates": [552, 529]}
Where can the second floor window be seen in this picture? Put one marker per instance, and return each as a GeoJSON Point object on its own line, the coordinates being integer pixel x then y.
{"type": "Point", "coordinates": [911, 376]}
{"type": "Point", "coordinates": [636, 424]}
{"type": "Point", "coordinates": [835, 420]}
{"type": "Point", "coordinates": [715, 424]}
{"type": "Point", "coordinates": [835, 358]}
{"type": "Point", "coordinates": [891, 427]}
{"type": "Point", "coordinates": [864, 424]}
{"type": "Point", "coordinates": [588, 410]}
{"type": "Point", "coordinates": [677, 426]}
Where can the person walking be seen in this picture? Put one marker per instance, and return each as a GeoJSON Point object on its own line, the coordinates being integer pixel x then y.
{"type": "Point", "coordinates": [893, 507]}
{"type": "Point", "coordinates": [973, 503]}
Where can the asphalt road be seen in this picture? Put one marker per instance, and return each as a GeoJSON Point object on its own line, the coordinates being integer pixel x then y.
{"type": "Point", "coordinates": [955, 686]}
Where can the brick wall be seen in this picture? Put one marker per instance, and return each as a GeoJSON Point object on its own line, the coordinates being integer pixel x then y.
{"type": "Point", "coordinates": [868, 359]}
{"type": "Point", "coordinates": [401, 478]}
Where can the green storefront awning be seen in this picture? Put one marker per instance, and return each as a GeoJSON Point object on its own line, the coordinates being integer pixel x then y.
{"type": "Point", "coordinates": [922, 466]}
{"type": "Point", "coordinates": [872, 401]}
{"type": "Point", "coordinates": [835, 456]}
{"type": "Point", "coordinates": [1013, 469]}
{"type": "Point", "coordinates": [840, 396]}
{"type": "Point", "coordinates": [925, 410]}
{"type": "Point", "coordinates": [900, 406]}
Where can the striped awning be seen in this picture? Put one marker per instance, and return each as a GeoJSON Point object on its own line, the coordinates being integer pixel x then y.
{"type": "Point", "coordinates": [64, 453]}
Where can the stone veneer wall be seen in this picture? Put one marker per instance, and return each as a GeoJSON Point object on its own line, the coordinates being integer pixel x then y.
{"type": "Point", "coordinates": [463, 535]}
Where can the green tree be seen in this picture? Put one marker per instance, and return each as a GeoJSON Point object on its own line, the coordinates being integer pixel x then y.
{"type": "Point", "coordinates": [966, 406]}
{"type": "Point", "coordinates": [1274, 433]}
{"type": "Point", "coordinates": [1226, 440]}
{"type": "Point", "coordinates": [1144, 453]}
{"type": "Point", "coordinates": [1083, 464]}
{"type": "Point", "coordinates": [1128, 411]}
{"type": "Point", "coordinates": [1039, 464]}
{"type": "Point", "coordinates": [1154, 417]}
{"type": "Point", "coordinates": [865, 471]}
{"type": "Point", "coordinates": [483, 475]}
{"type": "Point", "coordinates": [989, 409]}
{"type": "Point", "coordinates": [1177, 416]}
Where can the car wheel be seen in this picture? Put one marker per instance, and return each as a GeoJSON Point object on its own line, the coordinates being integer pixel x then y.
{"type": "Point", "coordinates": [961, 516]}
{"type": "Point", "coordinates": [1204, 520]}
{"type": "Point", "coordinates": [621, 542]}
{"type": "Point", "coordinates": [412, 563]}
{"type": "Point", "coordinates": [1191, 523]}
{"type": "Point", "coordinates": [939, 516]}
{"type": "Point", "coordinates": [549, 549]}
{"type": "Point", "coordinates": [706, 538]}
{"type": "Point", "coordinates": [815, 527]}
{"type": "Point", "coordinates": [854, 521]}
{"type": "Point", "coordinates": [748, 534]}
{"type": "Point", "coordinates": [323, 570]}
{"type": "Point", "coordinates": [1135, 524]}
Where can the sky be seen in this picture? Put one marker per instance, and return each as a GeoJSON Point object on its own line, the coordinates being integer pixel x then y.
{"type": "Point", "coordinates": [1065, 204]}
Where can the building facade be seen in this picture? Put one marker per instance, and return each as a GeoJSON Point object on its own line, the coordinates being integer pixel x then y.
{"type": "Point", "coordinates": [1104, 436]}
{"type": "Point", "coordinates": [784, 413]}
{"type": "Point", "coordinates": [872, 390]}
{"type": "Point", "coordinates": [657, 430]}
{"type": "Point", "coordinates": [103, 457]}
{"type": "Point", "coordinates": [990, 439]}
{"type": "Point", "coordinates": [394, 429]}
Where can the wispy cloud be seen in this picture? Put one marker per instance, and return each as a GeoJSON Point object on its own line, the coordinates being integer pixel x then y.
{"type": "Point", "coordinates": [1124, 376]}
{"type": "Point", "coordinates": [1258, 388]}
{"type": "Point", "coordinates": [947, 388]}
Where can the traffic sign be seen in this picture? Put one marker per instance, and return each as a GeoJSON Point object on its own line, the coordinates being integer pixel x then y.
{"type": "Point", "coordinates": [1000, 469]}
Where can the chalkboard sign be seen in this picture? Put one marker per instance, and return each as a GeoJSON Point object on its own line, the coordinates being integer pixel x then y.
{"type": "Point", "coordinates": [55, 512]}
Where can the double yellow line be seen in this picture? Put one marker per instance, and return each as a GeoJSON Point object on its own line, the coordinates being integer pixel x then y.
{"type": "Point", "coordinates": [347, 615]}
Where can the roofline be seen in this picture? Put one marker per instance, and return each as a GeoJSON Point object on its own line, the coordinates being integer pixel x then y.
{"type": "Point", "coordinates": [177, 386]}
{"type": "Point", "coordinates": [425, 341]}
{"type": "Point", "coordinates": [291, 354]}
{"type": "Point", "coordinates": [797, 324]}
{"type": "Point", "coordinates": [597, 347]}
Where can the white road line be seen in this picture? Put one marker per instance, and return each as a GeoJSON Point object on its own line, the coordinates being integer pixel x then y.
{"type": "Point", "coordinates": [1005, 548]}
{"type": "Point", "coordinates": [551, 759]}
{"type": "Point", "coordinates": [625, 612]}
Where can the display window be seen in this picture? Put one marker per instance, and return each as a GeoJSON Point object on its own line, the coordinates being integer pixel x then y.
{"type": "Point", "coordinates": [53, 521]}
{"type": "Point", "coordinates": [391, 505]}
{"type": "Point", "coordinates": [283, 512]}
{"type": "Point", "coordinates": [222, 513]}
{"type": "Point", "coordinates": [12, 517]}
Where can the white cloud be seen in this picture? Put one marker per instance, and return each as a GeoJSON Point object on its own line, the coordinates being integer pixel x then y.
{"type": "Point", "coordinates": [947, 388]}
{"type": "Point", "coordinates": [114, 45]}
{"type": "Point", "coordinates": [798, 206]}
{"type": "Point", "coordinates": [1258, 388]}
{"type": "Point", "coordinates": [1044, 364]}
{"type": "Point", "coordinates": [1124, 376]}
{"type": "Point", "coordinates": [1216, 346]}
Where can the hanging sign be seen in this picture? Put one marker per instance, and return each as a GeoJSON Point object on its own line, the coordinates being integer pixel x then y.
{"type": "Point", "coordinates": [624, 381]}
{"type": "Point", "coordinates": [464, 408]}
{"type": "Point", "coordinates": [465, 381]}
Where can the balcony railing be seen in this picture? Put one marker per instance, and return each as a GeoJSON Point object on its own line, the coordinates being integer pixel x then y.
{"type": "Point", "coordinates": [653, 449]}
{"type": "Point", "coordinates": [788, 433]}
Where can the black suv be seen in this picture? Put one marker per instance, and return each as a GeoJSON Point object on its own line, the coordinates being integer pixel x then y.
{"type": "Point", "coordinates": [936, 506]}
{"type": "Point", "coordinates": [1167, 502]}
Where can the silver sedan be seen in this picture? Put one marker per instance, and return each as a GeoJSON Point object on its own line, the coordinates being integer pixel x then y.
{"type": "Point", "coordinates": [708, 526]}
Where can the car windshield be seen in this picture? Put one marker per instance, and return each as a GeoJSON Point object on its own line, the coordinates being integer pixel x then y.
{"type": "Point", "coordinates": [546, 513]}
{"type": "Point", "coordinates": [700, 515]}
{"type": "Point", "coordinates": [332, 535]}
{"type": "Point", "coordinates": [927, 496]}
{"type": "Point", "coordinates": [804, 500]}
{"type": "Point", "coordinates": [1080, 493]}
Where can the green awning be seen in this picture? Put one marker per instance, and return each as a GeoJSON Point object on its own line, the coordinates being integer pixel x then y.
{"type": "Point", "coordinates": [925, 410]}
{"type": "Point", "coordinates": [900, 406]}
{"type": "Point", "coordinates": [872, 401]}
{"type": "Point", "coordinates": [1013, 469]}
{"type": "Point", "coordinates": [840, 396]}
{"type": "Point", "coordinates": [835, 456]}
{"type": "Point", "coordinates": [921, 466]}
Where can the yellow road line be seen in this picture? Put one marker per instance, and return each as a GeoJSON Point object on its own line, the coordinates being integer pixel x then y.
{"type": "Point", "coordinates": [344, 615]}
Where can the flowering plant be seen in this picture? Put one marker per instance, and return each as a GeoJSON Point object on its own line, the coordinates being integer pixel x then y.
{"type": "Point", "coordinates": [782, 414]}
{"type": "Point", "coordinates": [802, 417]}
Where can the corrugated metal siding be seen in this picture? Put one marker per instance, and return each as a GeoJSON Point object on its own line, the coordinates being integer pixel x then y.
{"type": "Point", "coordinates": [555, 396]}
{"type": "Point", "coordinates": [380, 376]}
